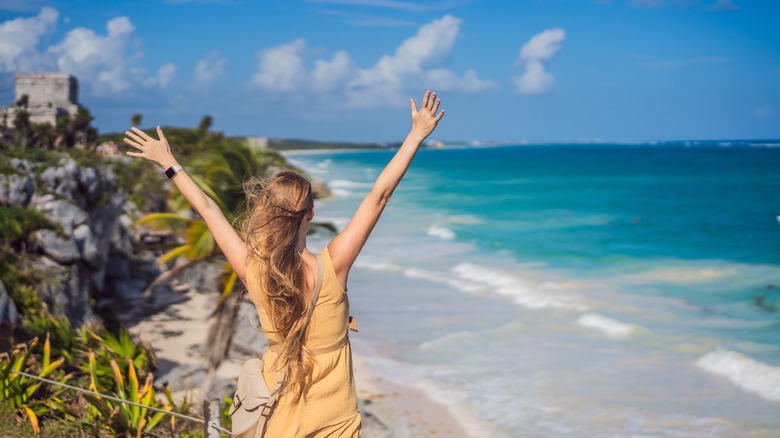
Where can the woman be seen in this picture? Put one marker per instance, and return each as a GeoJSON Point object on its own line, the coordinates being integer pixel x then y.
{"type": "Point", "coordinates": [317, 396]}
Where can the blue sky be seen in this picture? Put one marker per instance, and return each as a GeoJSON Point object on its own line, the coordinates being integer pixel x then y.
{"type": "Point", "coordinates": [541, 70]}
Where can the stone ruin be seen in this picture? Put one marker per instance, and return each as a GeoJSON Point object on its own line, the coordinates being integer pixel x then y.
{"type": "Point", "coordinates": [51, 96]}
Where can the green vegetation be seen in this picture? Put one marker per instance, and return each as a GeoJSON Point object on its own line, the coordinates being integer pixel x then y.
{"type": "Point", "coordinates": [91, 358]}
{"type": "Point", "coordinates": [17, 225]}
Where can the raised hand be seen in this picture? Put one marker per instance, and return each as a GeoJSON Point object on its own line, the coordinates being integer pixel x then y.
{"type": "Point", "coordinates": [152, 149]}
{"type": "Point", "coordinates": [425, 120]}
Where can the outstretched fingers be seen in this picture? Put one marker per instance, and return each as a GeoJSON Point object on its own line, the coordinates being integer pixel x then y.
{"type": "Point", "coordinates": [141, 134]}
{"type": "Point", "coordinates": [413, 105]}
{"type": "Point", "coordinates": [133, 144]}
{"type": "Point", "coordinates": [137, 141]}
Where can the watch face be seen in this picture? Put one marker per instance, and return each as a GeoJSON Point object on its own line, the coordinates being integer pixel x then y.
{"type": "Point", "coordinates": [170, 172]}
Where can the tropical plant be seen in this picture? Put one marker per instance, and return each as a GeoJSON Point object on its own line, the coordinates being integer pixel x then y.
{"type": "Point", "coordinates": [64, 339]}
{"type": "Point", "coordinates": [107, 348]}
{"type": "Point", "coordinates": [124, 418]}
{"type": "Point", "coordinates": [19, 390]}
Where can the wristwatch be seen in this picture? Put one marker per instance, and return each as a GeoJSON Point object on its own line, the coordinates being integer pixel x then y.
{"type": "Point", "coordinates": [172, 171]}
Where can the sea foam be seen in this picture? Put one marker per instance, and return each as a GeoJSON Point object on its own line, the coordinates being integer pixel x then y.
{"type": "Point", "coordinates": [441, 232]}
{"type": "Point", "coordinates": [611, 327]}
{"type": "Point", "coordinates": [346, 184]}
{"type": "Point", "coordinates": [521, 292]}
{"type": "Point", "coordinates": [744, 371]}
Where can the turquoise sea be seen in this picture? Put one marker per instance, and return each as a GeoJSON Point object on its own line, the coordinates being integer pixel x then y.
{"type": "Point", "coordinates": [574, 290]}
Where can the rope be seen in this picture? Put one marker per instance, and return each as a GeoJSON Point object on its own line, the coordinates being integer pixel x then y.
{"type": "Point", "coordinates": [97, 394]}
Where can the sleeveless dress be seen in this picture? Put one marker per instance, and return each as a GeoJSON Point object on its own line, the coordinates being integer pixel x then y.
{"type": "Point", "coordinates": [329, 405]}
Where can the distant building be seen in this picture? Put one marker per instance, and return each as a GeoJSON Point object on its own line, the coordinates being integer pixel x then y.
{"type": "Point", "coordinates": [51, 96]}
{"type": "Point", "coordinates": [258, 143]}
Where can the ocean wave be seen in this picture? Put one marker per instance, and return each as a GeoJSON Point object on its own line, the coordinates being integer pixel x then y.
{"type": "Point", "coordinates": [441, 232]}
{"type": "Point", "coordinates": [611, 327]}
{"type": "Point", "coordinates": [521, 292]}
{"type": "Point", "coordinates": [382, 266]}
{"type": "Point", "coordinates": [678, 274]}
{"type": "Point", "coordinates": [341, 193]}
{"type": "Point", "coordinates": [346, 184]}
{"type": "Point", "coordinates": [463, 286]}
{"type": "Point", "coordinates": [744, 371]}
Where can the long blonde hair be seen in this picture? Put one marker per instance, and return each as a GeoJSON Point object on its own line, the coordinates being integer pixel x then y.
{"type": "Point", "coordinates": [271, 230]}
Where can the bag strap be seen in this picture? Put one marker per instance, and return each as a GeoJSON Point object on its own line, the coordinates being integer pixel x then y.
{"type": "Point", "coordinates": [317, 286]}
{"type": "Point", "coordinates": [314, 296]}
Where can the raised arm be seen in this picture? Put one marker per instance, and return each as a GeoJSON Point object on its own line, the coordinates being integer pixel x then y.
{"type": "Point", "coordinates": [345, 248]}
{"type": "Point", "coordinates": [227, 239]}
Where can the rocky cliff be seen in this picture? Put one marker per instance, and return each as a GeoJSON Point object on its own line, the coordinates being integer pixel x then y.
{"type": "Point", "coordinates": [92, 253]}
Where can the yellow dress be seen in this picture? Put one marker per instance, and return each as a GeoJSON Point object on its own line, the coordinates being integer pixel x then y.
{"type": "Point", "coordinates": [329, 406]}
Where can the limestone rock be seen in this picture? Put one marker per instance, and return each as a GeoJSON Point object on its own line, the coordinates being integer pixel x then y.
{"type": "Point", "coordinates": [62, 212]}
{"type": "Point", "coordinates": [62, 250]}
{"type": "Point", "coordinates": [16, 189]}
{"type": "Point", "coordinates": [87, 246]}
{"type": "Point", "coordinates": [21, 165]}
{"type": "Point", "coordinates": [8, 312]}
{"type": "Point", "coordinates": [68, 292]}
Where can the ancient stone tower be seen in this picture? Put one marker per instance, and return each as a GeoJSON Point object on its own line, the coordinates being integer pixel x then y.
{"type": "Point", "coordinates": [51, 96]}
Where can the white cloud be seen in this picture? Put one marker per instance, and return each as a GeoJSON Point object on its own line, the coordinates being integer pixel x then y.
{"type": "Point", "coordinates": [416, 64]}
{"type": "Point", "coordinates": [104, 64]}
{"type": "Point", "coordinates": [98, 60]}
{"type": "Point", "coordinates": [165, 74]}
{"type": "Point", "coordinates": [541, 47]}
{"type": "Point", "coordinates": [19, 40]}
{"type": "Point", "coordinates": [387, 81]}
{"type": "Point", "coordinates": [446, 80]}
{"type": "Point", "coordinates": [327, 75]}
{"type": "Point", "coordinates": [281, 67]}
{"type": "Point", "coordinates": [535, 80]}
{"type": "Point", "coordinates": [209, 68]}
